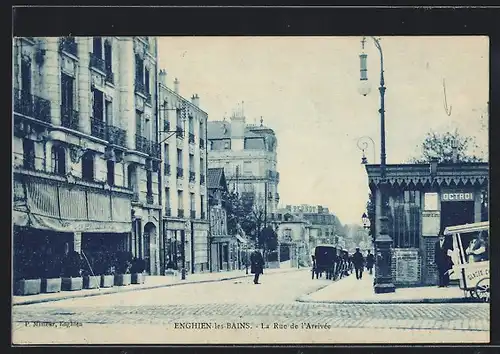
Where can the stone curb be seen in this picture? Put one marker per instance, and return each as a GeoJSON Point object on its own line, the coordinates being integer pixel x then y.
{"type": "Point", "coordinates": [116, 290]}
{"type": "Point", "coordinates": [308, 299]}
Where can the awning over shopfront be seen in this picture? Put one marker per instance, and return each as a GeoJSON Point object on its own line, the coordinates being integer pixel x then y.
{"type": "Point", "coordinates": [46, 204]}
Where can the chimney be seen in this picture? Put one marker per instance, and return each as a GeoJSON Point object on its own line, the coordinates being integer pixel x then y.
{"type": "Point", "coordinates": [176, 86]}
{"type": "Point", "coordinates": [454, 152]}
{"type": "Point", "coordinates": [163, 77]}
{"type": "Point", "coordinates": [195, 99]}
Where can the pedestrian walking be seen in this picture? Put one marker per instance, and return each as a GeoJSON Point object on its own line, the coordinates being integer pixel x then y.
{"type": "Point", "coordinates": [257, 265]}
{"type": "Point", "coordinates": [370, 261]}
{"type": "Point", "coordinates": [442, 260]}
{"type": "Point", "coordinates": [359, 263]}
{"type": "Point", "coordinates": [314, 267]}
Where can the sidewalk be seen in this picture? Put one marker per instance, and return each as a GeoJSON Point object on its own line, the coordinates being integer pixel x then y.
{"type": "Point", "coordinates": [351, 290]}
{"type": "Point", "coordinates": [151, 282]}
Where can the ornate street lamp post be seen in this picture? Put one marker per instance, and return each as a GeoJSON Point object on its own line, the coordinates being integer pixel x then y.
{"type": "Point", "coordinates": [363, 145]}
{"type": "Point", "coordinates": [383, 242]}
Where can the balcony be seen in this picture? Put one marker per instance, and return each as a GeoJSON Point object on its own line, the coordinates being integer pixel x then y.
{"type": "Point", "coordinates": [31, 106]}
{"type": "Point", "coordinates": [149, 199]}
{"type": "Point", "coordinates": [97, 63]}
{"type": "Point", "coordinates": [191, 138]}
{"type": "Point", "coordinates": [193, 214]}
{"type": "Point", "coordinates": [180, 172]}
{"type": "Point", "coordinates": [167, 169]}
{"type": "Point", "coordinates": [147, 146]}
{"type": "Point", "coordinates": [192, 177]}
{"type": "Point", "coordinates": [68, 45]}
{"type": "Point", "coordinates": [180, 132]}
{"type": "Point", "coordinates": [117, 136]}
{"type": "Point", "coordinates": [180, 213]}
{"type": "Point", "coordinates": [202, 143]}
{"type": "Point", "coordinates": [168, 212]}
{"type": "Point", "coordinates": [98, 128]}
{"type": "Point", "coordinates": [135, 197]}
{"type": "Point", "coordinates": [140, 87]}
{"type": "Point", "coordinates": [69, 117]}
{"type": "Point", "coordinates": [202, 179]}
{"type": "Point", "coordinates": [110, 77]}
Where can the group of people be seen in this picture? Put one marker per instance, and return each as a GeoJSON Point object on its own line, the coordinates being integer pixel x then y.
{"type": "Point", "coordinates": [445, 256]}
{"type": "Point", "coordinates": [343, 265]}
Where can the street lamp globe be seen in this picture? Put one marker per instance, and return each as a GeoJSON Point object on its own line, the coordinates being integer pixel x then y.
{"type": "Point", "coordinates": [364, 87]}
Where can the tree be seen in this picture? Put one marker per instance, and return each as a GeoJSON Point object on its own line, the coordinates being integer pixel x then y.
{"type": "Point", "coordinates": [268, 239]}
{"type": "Point", "coordinates": [440, 145]}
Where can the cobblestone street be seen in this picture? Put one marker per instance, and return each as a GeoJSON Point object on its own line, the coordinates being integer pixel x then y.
{"type": "Point", "coordinates": [271, 303]}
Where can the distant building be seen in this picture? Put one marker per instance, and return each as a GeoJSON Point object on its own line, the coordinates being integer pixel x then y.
{"type": "Point", "coordinates": [247, 152]}
{"type": "Point", "coordinates": [327, 226]}
{"type": "Point", "coordinates": [184, 157]}
{"type": "Point", "coordinates": [294, 240]}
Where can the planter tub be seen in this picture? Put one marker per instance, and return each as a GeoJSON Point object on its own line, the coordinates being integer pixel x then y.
{"type": "Point", "coordinates": [123, 279]}
{"type": "Point", "coordinates": [107, 281]}
{"type": "Point", "coordinates": [138, 278]}
{"type": "Point", "coordinates": [91, 282]}
{"type": "Point", "coordinates": [71, 284]}
{"type": "Point", "coordinates": [28, 286]}
{"type": "Point", "coordinates": [51, 285]}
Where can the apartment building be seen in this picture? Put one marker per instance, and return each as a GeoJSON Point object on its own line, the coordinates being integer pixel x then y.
{"type": "Point", "coordinates": [86, 158]}
{"type": "Point", "coordinates": [184, 155]}
{"type": "Point", "coordinates": [248, 154]}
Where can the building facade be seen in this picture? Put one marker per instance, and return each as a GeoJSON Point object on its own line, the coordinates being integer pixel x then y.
{"type": "Point", "coordinates": [83, 144]}
{"type": "Point", "coordinates": [248, 154]}
{"type": "Point", "coordinates": [183, 131]}
{"type": "Point", "coordinates": [294, 240]}
{"type": "Point", "coordinates": [423, 200]}
{"type": "Point", "coordinates": [328, 227]}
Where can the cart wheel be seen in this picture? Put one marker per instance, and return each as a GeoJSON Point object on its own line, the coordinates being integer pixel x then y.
{"type": "Point", "coordinates": [483, 289]}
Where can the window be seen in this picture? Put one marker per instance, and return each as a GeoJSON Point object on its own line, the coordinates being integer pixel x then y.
{"type": "Point", "coordinates": [132, 177]}
{"type": "Point", "coordinates": [247, 167]}
{"type": "Point", "coordinates": [179, 158]}
{"type": "Point", "coordinates": [405, 220]}
{"type": "Point", "coordinates": [98, 105]}
{"type": "Point", "coordinates": [165, 112]}
{"type": "Point", "coordinates": [109, 112]}
{"type": "Point", "coordinates": [138, 122]}
{"type": "Point", "coordinates": [167, 198]}
{"type": "Point", "coordinates": [88, 166]}
{"type": "Point", "coordinates": [202, 130]}
{"type": "Point", "coordinates": [431, 201]}
{"type": "Point", "coordinates": [179, 118]}
{"type": "Point", "coordinates": [97, 47]}
{"type": "Point", "coordinates": [165, 154]}
{"type": "Point", "coordinates": [191, 125]}
{"type": "Point", "coordinates": [108, 56]}
{"type": "Point", "coordinates": [29, 154]}
{"type": "Point", "coordinates": [139, 69]}
{"type": "Point", "coordinates": [202, 165]}
{"type": "Point", "coordinates": [191, 163]}
{"type": "Point", "coordinates": [67, 97]}
{"type": "Point", "coordinates": [110, 172]}
{"type": "Point", "coordinates": [146, 80]}
{"type": "Point", "coordinates": [202, 206]}
{"type": "Point", "coordinates": [58, 160]}
{"type": "Point", "coordinates": [149, 182]}
{"type": "Point", "coordinates": [192, 202]}
{"type": "Point", "coordinates": [25, 76]}
{"type": "Point", "coordinates": [180, 197]}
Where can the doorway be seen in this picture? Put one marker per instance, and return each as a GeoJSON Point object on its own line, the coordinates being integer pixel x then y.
{"type": "Point", "coordinates": [456, 213]}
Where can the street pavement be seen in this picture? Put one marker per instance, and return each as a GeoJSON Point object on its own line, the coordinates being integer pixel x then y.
{"type": "Point", "coordinates": [238, 311]}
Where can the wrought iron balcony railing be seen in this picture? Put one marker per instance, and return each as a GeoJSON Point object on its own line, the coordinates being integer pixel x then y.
{"type": "Point", "coordinates": [139, 87]}
{"type": "Point", "coordinates": [202, 179]}
{"type": "Point", "coordinates": [180, 132]}
{"type": "Point", "coordinates": [168, 212]}
{"type": "Point", "coordinates": [117, 136]}
{"type": "Point", "coordinates": [110, 77]}
{"type": "Point", "coordinates": [180, 213]}
{"type": "Point", "coordinates": [149, 199]}
{"type": "Point", "coordinates": [202, 143]}
{"type": "Point", "coordinates": [191, 138]}
{"type": "Point", "coordinates": [69, 117]}
{"type": "Point", "coordinates": [180, 172]}
{"type": "Point", "coordinates": [31, 106]}
{"type": "Point", "coordinates": [97, 62]}
{"type": "Point", "coordinates": [167, 169]}
{"type": "Point", "coordinates": [68, 44]}
{"type": "Point", "coordinates": [98, 128]}
{"type": "Point", "coordinates": [154, 149]}
{"type": "Point", "coordinates": [147, 146]}
{"type": "Point", "coordinates": [193, 214]}
{"type": "Point", "coordinates": [192, 176]}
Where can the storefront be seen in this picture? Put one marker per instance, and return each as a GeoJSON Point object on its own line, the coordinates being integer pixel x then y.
{"type": "Point", "coordinates": [423, 199]}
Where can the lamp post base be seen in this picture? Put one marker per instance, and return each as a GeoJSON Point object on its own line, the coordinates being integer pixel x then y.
{"type": "Point", "coordinates": [384, 288]}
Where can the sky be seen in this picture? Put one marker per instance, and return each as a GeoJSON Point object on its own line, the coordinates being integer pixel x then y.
{"type": "Point", "coordinates": [307, 90]}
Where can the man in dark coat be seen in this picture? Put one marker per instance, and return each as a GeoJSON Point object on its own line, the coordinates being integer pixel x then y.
{"type": "Point", "coordinates": [370, 261]}
{"type": "Point", "coordinates": [257, 265]}
{"type": "Point", "coordinates": [359, 262]}
{"type": "Point", "coordinates": [442, 260]}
